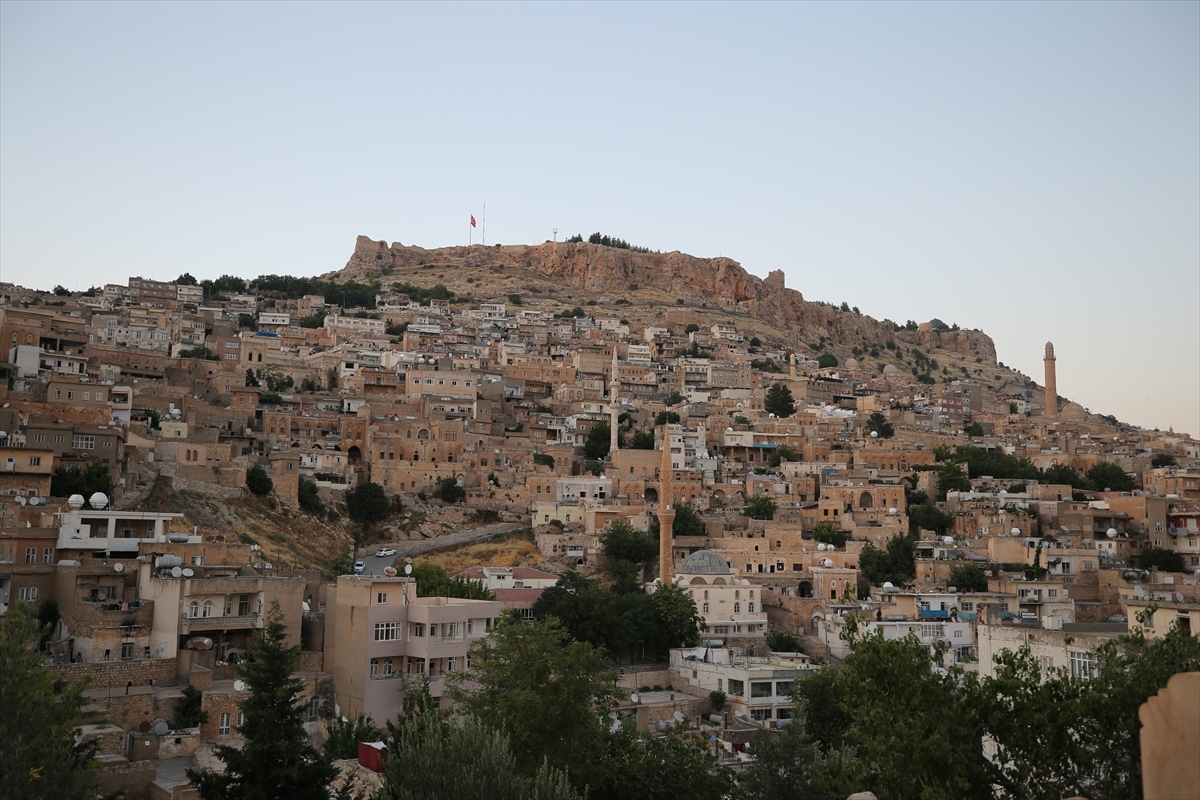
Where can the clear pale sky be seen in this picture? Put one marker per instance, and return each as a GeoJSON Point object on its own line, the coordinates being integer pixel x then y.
{"type": "Point", "coordinates": [1029, 169]}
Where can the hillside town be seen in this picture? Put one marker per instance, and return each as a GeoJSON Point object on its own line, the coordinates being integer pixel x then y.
{"type": "Point", "coordinates": [800, 488]}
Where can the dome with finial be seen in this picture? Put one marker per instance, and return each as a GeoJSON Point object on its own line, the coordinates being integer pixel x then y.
{"type": "Point", "coordinates": [1073, 412]}
{"type": "Point", "coordinates": [705, 562]}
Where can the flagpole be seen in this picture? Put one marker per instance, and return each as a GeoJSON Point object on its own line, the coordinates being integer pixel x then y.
{"type": "Point", "coordinates": [470, 232]}
{"type": "Point", "coordinates": [483, 228]}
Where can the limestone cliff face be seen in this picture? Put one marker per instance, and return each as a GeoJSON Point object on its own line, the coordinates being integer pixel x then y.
{"type": "Point", "coordinates": [720, 282]}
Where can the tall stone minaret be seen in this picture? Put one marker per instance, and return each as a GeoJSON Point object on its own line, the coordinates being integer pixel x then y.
{"type": "Point", "coordinates": [1051, 383]}
{"type": "Point", "coordinates": [613, 415]}
{"type": "Point", "coordinates": [666, 514]}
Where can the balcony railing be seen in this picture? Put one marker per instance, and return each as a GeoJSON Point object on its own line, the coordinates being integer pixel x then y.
{"type": "Point", "coordinates": [238, 621]}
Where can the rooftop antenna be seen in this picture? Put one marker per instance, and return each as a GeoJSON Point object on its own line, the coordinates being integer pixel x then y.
{"type": "Point", "coordinates": [555, 230]}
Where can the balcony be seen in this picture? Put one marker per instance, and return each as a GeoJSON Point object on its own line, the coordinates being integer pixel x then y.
{"type": "Point", "coordinates": [192, 624]}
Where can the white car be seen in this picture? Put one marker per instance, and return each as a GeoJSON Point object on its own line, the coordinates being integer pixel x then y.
{"type": "Point", "coordinates": [384, 552]}
{"type": "Point", "coordinates": [359, 566]}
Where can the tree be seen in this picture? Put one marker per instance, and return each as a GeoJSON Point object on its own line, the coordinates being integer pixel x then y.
{"type": "Point", "coordinates": [186, 279]}
{"type": "Point", "coordinates": [951, 479]}
{"type": "Point", "coordinates": [791, 764]}
{"type": "Point", "coordinates": [878, 423]}
{"type": "Point", "coordinates": [1165, 560]}
{"type": "Point", "coordinates": [1110, 477]}
{"type": "Point", "coordinates": [893, 565]}
{"type": "Point", "coordinates": [678, 766]}
{"type": "Point", "coordinates": [674, 399]}
{"type": "Point", "coordinates": [779, 401]}
{"type": "Point", "coordinates": [755, 341]}
{"type": "Point", "coordinates": [760, 506]}
{"type": "Point", "coordinates": [667, 418]}
{"type": "Point", "coordinates": [597, 615]}
{"type": "Point", "coordinates": [687, 522]}
{"type": "Point", "coordinates": [189, 712]}
{"type": "Point", "coordinates": [93, 478]}
{"type": "Point", "coordinates": [343, 735]}
{"type": "Point", "coordinates": [968, 578]}
{"type": "Point", "coordinates": [430, 756]}
{"type": "Point", "coordinates": [62, 291]}
{"type": "Point", "coordinates": [278, 758]}
{"type": "Point", "coordinates": [432, 581]}
{"type": "Point", "coordinates": [826, 531]}
{"type": "Point", "coordinates": [543, 460]}
{"type": "Point", "coordinates": [38, 754]}
{"type": "Point", "coordinates": [620, 541]}
{"type": "Point", "coordinates": [367, 503]}
{"type": "Point", "coordinates": [309, 497]}
{"type": "Point", "coordinates": [826, 360]}
{"type": "Point", "coordinates": [781, 641]}
{"type": "Point", "coordinates": [691, 328]}
{"type": "Point", "coordinates": [717, 700]}
{"type": "Point", "coordinates": [251, 378]}
{"type": "Point", "coordinates": [596, 445]}
{"type": "Point", "coordinates": [676, 618]}
{"type": "Point", "coordinates": [550, 694]}
{"type": "Point", "coordinates": [258, 482]}
{"type": "Point", "coordinates": [448, 491]}
{"type": "Point", "coordinates": [927, 515]}
{"type": "Point", "coordinates": [642, 440]}
{"type": "Point", "coordinates": [784, 452]}
{"type": "Point", "coordinates": [341, 564]}
{"type": "Point", "coordinates": [973, 429]}
{"type": "Point", "coordinates": [1163, 460]}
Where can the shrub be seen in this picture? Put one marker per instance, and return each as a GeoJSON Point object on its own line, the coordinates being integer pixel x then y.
{"type": "Point", "coordinates": [258, 482]}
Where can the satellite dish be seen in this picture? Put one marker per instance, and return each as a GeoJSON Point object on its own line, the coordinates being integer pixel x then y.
{"type": "Point", "coordinates": [75, 501]}
{"type": "Point", "coordinates": [389, 571]}
{"type": "Point", "coordinates": [828, 563]}
{"type": "Point", "coordinates": [176, 572]}
{"type": "Point", "coordinates": [1179, 597]}
{"type": "Point", "coordinates": [948, 539]}
{"type": "Point", "coordinates": [633, 698]}
{"type": "Point", "coordinates": [33, 501]}
{"type": "Point", "coordinates": [874, 434]}
{"type": "Point", "coordinates": [98, 501]}
{"type": "Point", "coordinates": [188, 572]}
{"type": "Point", "coordinates": [239, 686]}
{"type": "Point", "coordinates": [21, 500]}
{"type": "Point", "coordinates": [737, 714]}
{"type": "Point", "coordinates": [118, 567]}
{"type": "Point", "coordinates": [1015, 531]}
{"type": "Point", "coordinates": [161, 727]}
{"type": "Point", "coordinates": [1112, 533]}
{"type": "Point", "coordinates": [678, 716]}
{"type": "Point", "coordinates": [888, 585]}
{"type": "Point", "coordinates": [210, 539]}
{"type": "Point", "coordinates": [1137, 590]}
{"type": "Point", "coordinates": [408, 569]}
{"type": "Point", "coordinates": [893, 511]}
{"type": "Point", "coordinates": [821, 547]}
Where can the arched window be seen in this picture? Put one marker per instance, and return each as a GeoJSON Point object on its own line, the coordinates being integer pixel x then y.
{"type": "Point", "coordinates": [208, 605]}
{"type": "Point", "coordinates": [706, 608]}
{"type": "Point", "coordinates": [194, 609]}
{"type": "Point", "coordinates": [706, 594]}
{"type": "Point", "coordinates": [751, 610]}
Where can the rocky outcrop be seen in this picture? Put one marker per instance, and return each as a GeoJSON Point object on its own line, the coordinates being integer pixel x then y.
{"type": "Point", "coordinates": [716, 281]}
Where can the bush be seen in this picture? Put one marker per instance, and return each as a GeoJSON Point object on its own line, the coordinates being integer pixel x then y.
{"type": "Point", "coordinates": [1165, 560]}
{"type": "Point", "coordinates": [827, 359]}
{"type": "Point", "coordinates": [543, 459]}
{"type": "Point", "coordinates": [968, 578]}
{"type": "Point", "coordinates": [310, 500]}
{"type": "Point", "coordinates": [781, 641]}
{"type": "Point", "coordinates": [667, 418]}
{"type": "Point", "coordinates": [448, 491]}
{"type": "Point", "coordinates": [827, 532]}
{"type": "Point", "coordinates": [760, 506]}
{"type": "Point", "coordinates": [258, 482]}
{"type": "Point", "coordinates": [367, 503]}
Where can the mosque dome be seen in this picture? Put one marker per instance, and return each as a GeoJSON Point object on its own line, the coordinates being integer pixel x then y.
{"type": "Point", "coordinates": [705, 562]}
{"type": "Point", "coordinates": [1073, 412]}
{"type": "Point", "coordinates": [852, 363]}
{"type": "Point", "coordinates": [890, 369]}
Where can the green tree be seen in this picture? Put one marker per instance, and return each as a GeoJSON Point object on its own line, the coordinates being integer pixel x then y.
{"type": "Point", "coordinates": [598, 615]}
{"type": "Point", "coordinates": [878, 423]}
{"type": "Point", "coordinates": [278, 758]}
{"type": "Point", "coordinates": [779, 402]}
{"type": "Point", "coordinates": [784, 452]}
{"type": "Point", "coordinates": [432, 581]}
{"type": "Point", "coordinates": [1063, 474]}
{"type": "Point", "coordinates": [790, 764]}
{"type": "Point", "coordinates": [189, 712]}
{"type": "Point", "coordinates": [258, 481]}
{"type": "Point", "coordinates": [430, 757]}
{"type": "Point", "coordinates": [38, 754]}
{"type": "Point", "coordinates": [309, 496]}
{"type": "Point", "coordinates": [674, 399]}
{"type": "Point", "coordinates": [825, 715]}
{"type": "Point", "coordinates": [687, 522]}
{"type": "Point", "coordinates": [968, 578]}
{"type": "Point", "coordinates": [93, 478]}
{"type": "Point", "coordinates": [760, 506]}
{"type": "Point", "coordinates": [543, 460]}
{"type": "Point", "coordinates": [826, 360]}
{"type": "Point", "coordinates": [826, 531]}
{"type": "Point", "coordinates": [678, 766]}
{"type": "Point", "coordinates": [620, 541]}
{"type": "Point", "coordinates": [341, 564]}
{"type": "Point", "coordinates": [367, 503]}
{"type": "Point", "coordinates": [1165, 560]}
{"type": "Point", "coordinates": [781, 641]}
{"type": "Point", "coordinates": [667, 418]}
{"type": "Point", "coordinates": [1109, 477]}
{"type": "Point", "coordinates": [1163, 460]}
{"type": "Point", "coordinates": [642, 440]}
{"type": "Point", "coordinates": [973, 429]}
{"type": "Point", "coordinates": [675, 615]}
{"type": "Point", "coordinates": [893, 565]}
{"type": "Point", "coordinates": [186, 279]}
{"type": "Point", "coordinates": [251, 378]}
{"type": "Point", "coordinates": [595, 447]}
{"type": "Point", "coordinates": [344, 734]}
{"type": "Point", "coordinates": [951, 479]}
{"type": "Point", "coordinates": [717, 701]}
{"type": "Point", "coordinates": [448, 491]}
{"type": "Point", "coordinates": [927, 515]}
{"type": "Point", "coordinates": [692, 328]}
{"type": "Point", "coordinates": [550, 694]}
{"type": "Point", "coordinates": [755, 341]}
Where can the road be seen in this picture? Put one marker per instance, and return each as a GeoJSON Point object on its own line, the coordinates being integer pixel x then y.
{"type": "Point", "coordinates": [376, 566]}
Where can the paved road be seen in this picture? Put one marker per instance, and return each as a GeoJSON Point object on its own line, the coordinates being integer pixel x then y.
{"type": "Point", "coordinates": [375, 566]}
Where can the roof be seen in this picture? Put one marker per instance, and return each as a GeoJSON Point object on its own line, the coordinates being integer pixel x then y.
{"type": "Point", "coordinates": [705, 562]}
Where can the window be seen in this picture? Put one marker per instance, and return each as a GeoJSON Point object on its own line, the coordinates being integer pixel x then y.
{"type": "Point", "coordinates": [30, 555]}
{"type": "Point", "coordinates": [783, 713]}
{"type": "Point", "coordinates": [737, 687]}
{"type": "Point", "coordinates": [751, 609]}
{"type": "Point", "coordinates": [58, 394]}
{"type": "Point", "coordinates": [705, 611]}
{"type": "Point", "coordinates": [35, 461]}
{"type": "Point", "coordinates": [387, 631]}
{"type": "Point", "coordinates": [1082, 665]}
{"type": "Point", "coordinates": [783, 688]}
{"type": "Point", "coordinates": [223, 728]}
{"type": "Point", "coordinates": [39, 437]}
{"type": "Point", "coordinates": [208, 607]}
{"type": "Point", "coordinates": [760, 689]}
{"type": "Point", "coordinates": [59, 438]}
{"type": "Point", "coordinates": [451, 664]}
{"type": "Point", "coordinates": [760, 714]}
{"type": "Point", "coordinates": [314, 708]}
{"type": "Point", "coordinates": [47, 555]}
{"type": "Point", "coordinates": [381, 599]}
{"type": "Point", "coordinates": [193, 609]}
{"type": "Point", "coordinates": [28, 593]}
{"type": "Point", "coordinates": [737, 608]}
{"type": "Point", "coordinates": [87, 395]}
{"type": "Point", "coordinates": [241, 720]}
{"type": "Point", "coordinates": [416, 630]}
{"type": "Point", "coordinates": [83, 442]}
{"type": "Point", "coordinates": [127, 651]}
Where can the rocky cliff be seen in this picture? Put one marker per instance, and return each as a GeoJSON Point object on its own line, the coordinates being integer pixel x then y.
{"type": "Point", "coordinates": [720, 282]}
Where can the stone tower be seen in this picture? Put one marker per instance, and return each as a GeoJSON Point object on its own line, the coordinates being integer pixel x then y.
{"type": "Point", "coordinates": [666, 514]}
{"type": "Point", "coordinates": [1051, 383]}
{"type": "Point", "coordinates": [613, 416]}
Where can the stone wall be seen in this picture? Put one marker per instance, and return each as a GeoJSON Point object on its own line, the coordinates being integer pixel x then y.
{"type": "Point", "coordinates": [129, 711]}
{"type": "Point", "coordinates": [129, 780]}
{"type": "Point", "coordinates": [211, 489]}
{"type": "Point", "coordinates": [311, 661]}
{"type": "Point", "coordinates": [142, 672]}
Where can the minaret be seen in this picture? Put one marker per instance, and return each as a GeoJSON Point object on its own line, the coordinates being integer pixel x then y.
{"type": "Point", "coordinates": [1051, 383]}
{"type": "Point", "coordinates": [666, 514]}
{"type": "Point", "coordinates": [613, 417]}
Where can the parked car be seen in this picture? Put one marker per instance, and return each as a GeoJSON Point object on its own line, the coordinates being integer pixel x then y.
{"type": "Point", "coordinates": [359, 566]}
{"type": "Point", "coordinates": [384, 552]}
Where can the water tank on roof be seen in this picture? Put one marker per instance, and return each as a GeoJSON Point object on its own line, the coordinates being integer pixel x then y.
{"type": "Point", "coordinates": [166, 562]}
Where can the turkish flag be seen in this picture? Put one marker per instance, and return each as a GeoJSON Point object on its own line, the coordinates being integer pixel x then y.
{"type": "Point", "coordinates": [472, 220]}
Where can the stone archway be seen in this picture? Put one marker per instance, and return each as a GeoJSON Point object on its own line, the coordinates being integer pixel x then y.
{"type": "Point", "coordinates": [865, 500]}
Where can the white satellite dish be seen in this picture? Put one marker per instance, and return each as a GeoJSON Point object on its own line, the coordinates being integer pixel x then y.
{"type": "Point", "coordinates": [874, 434]}
{"type": "Point", "coordinates": [1137, 590]}
{"type": "Point", "coordinates": [678, 716]}
{"type": "Point", "coordinates": [76, 501]}
{"type": "Point", "coordinates": [948, 539]}
{"type": "Point", "coordinates": [893, 511]}
{"type": "Point", "coordinates": [737, 714]}
{"type": "Point", "coordinates": [828, 563]}
{"type": "Point", "coordinates": [188, 572]}
{"type": "Point", "coordinates": [33, 501]}
{"type": "Point", "coordinates": [239, 686]}
{"type": "Point", "coordinates": [118, 567]}
{"type": "Point", "coordinates": [1015, 531]}
{"type": "Point", "coordinates": [1112, 533]}
{"type": "Point", "coordinates": [21, 500]}
{"type": "Point", "coordinates": [176, 572]}
{"type": "Point", "coordinates": [98, 501]}
{"type": "Point", "coordinates": [408, 569]}
{"type": "Point", "coordinates": [821, 547]}
{"type": "Point", "coordinates": [633, 698]}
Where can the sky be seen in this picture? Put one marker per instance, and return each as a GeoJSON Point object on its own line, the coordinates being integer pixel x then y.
{"type": "Point", "coordinates": [1032, 170]}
